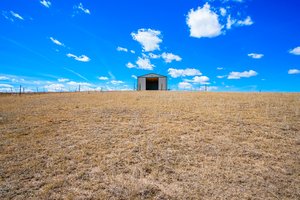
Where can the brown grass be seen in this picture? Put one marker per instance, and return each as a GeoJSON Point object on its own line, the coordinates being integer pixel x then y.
{"type": "Point", "coordinates": [150, 145]}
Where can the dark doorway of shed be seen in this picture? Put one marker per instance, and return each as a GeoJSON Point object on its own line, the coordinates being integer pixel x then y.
{"type": "Point", "coordinates": [151, 83]}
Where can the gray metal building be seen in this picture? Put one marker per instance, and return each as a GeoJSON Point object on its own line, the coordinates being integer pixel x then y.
{"type": "Point", "coordinates": [152, 82]}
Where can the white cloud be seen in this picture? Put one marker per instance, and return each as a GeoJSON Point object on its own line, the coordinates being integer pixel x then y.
{"type": "Point", "coordinates": [203, 22]}
{"type": "Point", "coordinates": [246, 22]}
{"type": "Point", "coordinates": [219, 68]}
{"type": "Point", "coordinates": [169, 57]}
{"type": "Point", "coordinates": [221, 77]}
{"type": "Point", "coordinates": [73, 83]}
{"type": "Point", "coordinates": [144, 63]}
{"type": "Point", "coordinates": [175, 73]}
{"type": "Point", "coordinates": [153, 56]}
{"type": "Point", "coordinates": [294, 71]}
{"type": "Point", "coordinates": [185, 86]}
{"type": "Point", "coordinates": [82, 86]}
{"type": "Point", "coordinates": [9, 15]}
{"type": "Point", "coordinates": [62, 80]}
{"type": "Point", "coordinates": [245, 74]}
{"type": "Point", "coordinates": [55, 87]}
{"type": "Point", "coordinates": [4, 78]}
{"type": "Point", "coordinates": [112, 76]}
{"type": "Point", "coordinates": [223, 11]}
{"type": "Point", "coordinates": [82, 58]}
{"type": "Point", "coordinates": [45, 3]}
{"type": "Point", "coordinates": [6, 86]}
{"type": "Point", "coordinates": [230, 22]}
{"type": "Point", "coordinates": [16, 15]}
{"type": "Point", "coordinates": [199, 80]}
{"type": "Point", "coordinates": [295, 51]}
{"type": "Point", "coordinates": [146, 56]}
{"type": "Point", "coordinates": [103, 78]}
{"type": "Point", "coordinates": [255, 55]}
{"type": "Point", "coordinates": [130, 65]}
{"type": "Point", "coordinates": [55, 41]}
{"type": "Point", "coordinates": [148, 38]}
{"type": "Point", "coordinates": [132, 51]}
{"type": "Point", "coordinates": [115, 82]}
{"type": "Point", "coordinates": [76, 73]}
{"type": "Point", "coordinates": [134, 76]}
{"type": "Point", "coordinates": [122, 49]}
{"type": "Point", "coordinates": [80, 8]}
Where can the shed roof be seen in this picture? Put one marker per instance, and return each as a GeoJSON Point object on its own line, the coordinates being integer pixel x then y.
{"type": "Point", "coordinates": [151, 75]}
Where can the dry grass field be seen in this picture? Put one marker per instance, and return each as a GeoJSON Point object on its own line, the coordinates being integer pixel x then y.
{"type": "Point", "coordinates": [150, 145]}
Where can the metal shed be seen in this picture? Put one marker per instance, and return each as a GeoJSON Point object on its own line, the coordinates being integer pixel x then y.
{"type": "Point", "coordinates": [152, 82]}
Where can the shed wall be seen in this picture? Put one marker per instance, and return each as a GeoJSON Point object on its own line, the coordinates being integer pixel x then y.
{"type": "Point", "coordinates": [162, 83]}
{"type": "Point", "coordinates": [142, 83]}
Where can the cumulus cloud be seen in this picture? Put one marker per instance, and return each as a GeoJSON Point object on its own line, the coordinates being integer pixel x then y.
{"type": "Point", "coordinates": [246, 22]}
{"type": "Point", "coordinates": [82, 86]}
{"type": "Point", "coordinates": [233, 22]}
{"type": "Point", "coordinates": [130, 65]}
{"type": "Point", "coordinates": [125, 50]}
{"type": "Point", "coordinates": [122, 49]}
{"type": "Point", "coordinates": [169, 57]}
{"type": "Point", "coordinates": [185, 86]}
{"type": "Point", "coordinates": [55, 87]}
{"type": "Point", "coordinates": [223, 11]}
{"type": "Point", "coordinates": [144, 63]}
{"type": "Point", "coordinates": [219, 68]}
{"type": "Point", "coordinates": [175, 73]}
{"type": "Point", "coordinates": [82, 58]}
{"type": "Point", "coordinates": [221, 77]}
{"type": "Point", "coordinates": [79, 8]}
{"type": "Point", "coordinates": [255, 55]}
{"type": "Point", "coordinates": [115, 82]}
{"type": "Point", "coordinates": [212, 22]}
{"type": "Point", "coordinates": [148, 38]}
{"type": "Point", "coordinates": [203, 22]}
{"type": "Point", "coordinates": [45, 3]}
{"type": "Point", "coordinates": [294, 71]}
{"type": "Point", "coordinates": [103, 78]}
{"type": "Point", "coordinates": [55, 41]}
{"type": "Point", "coordinates": [199, 80]}
{"type": "Point", "coordinates": [62, 80]}
{"type": "Point", "coordinates": [73, 83]}
{"type": "Point", "coordinates": [245, 74]}
{"type": "Point", "coordinates": [153, 56]}
{"type": "Point", "coordinates": [230, 22]}
{"type": "Point", "coordinates": [295, 51]}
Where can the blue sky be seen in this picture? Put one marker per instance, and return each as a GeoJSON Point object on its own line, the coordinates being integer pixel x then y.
{"type": "Point", "coordinates": [225, 45]}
